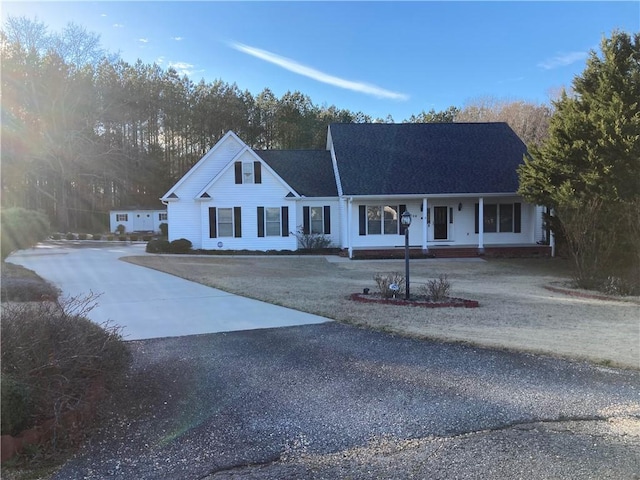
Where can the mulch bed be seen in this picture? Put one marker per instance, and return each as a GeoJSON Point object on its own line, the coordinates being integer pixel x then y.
{"type": "Point", "coordinates": [414, 302]}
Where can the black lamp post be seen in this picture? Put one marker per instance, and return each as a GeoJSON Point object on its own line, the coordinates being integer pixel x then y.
{"type": "Point", "coordinates": [405, 219]}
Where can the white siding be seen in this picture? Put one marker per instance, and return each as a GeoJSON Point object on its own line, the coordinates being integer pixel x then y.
{"type": "Point", "coordinates": [335, 217]}
{"type": "Point", "coordinates": [185, 212]}
{"type": "Point", "coordinates": [226, 194]}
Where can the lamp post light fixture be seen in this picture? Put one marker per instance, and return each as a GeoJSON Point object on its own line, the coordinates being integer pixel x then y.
{"type": "Point", "coordinates": [405, 219]}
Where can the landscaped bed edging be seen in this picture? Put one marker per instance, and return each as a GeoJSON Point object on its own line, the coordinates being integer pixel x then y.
{"type": "Point", "coordinates": [451, 302]}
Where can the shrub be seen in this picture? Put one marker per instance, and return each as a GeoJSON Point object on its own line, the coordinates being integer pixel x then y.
{"type": "Point", "coordinates": [158, 246]}
{"type": "Point", "coordinates": [21, 228]}
{"type": "Point", "coordinates": [96, 236]}
{"type": "Point", "coordinates": [82, 236]}
{"type": "Point", "coordinates": [70, 236]}
{"type": "Point", "coordinates": [19, 284]}
{"type": "Point", "coordinates": [146, 238]}
{"type": "Point", "coordinates": [133, 237]}
{"type": "Point", "coordinates": [122, 238]}
{"type": "Point", "coordinates": [312, 241]}
{"type": "Point", "coordinates": [51, 354]}
{"type": "Point", "coordinates": [56, 236]}
{"type": "Point", "coordinates": [437, 289]}
{"type": "Point", "coordinates": [121, 229]}
{"type": "Point", "coordinates": [164, 229]}
{"type": "Point", "coordinates": [15, 398]}
{"type": "Point", "coordinates": [387, 281]}
{"type": "Point", "coordinates": [110, 237]}
{"type": "Point", "coordinates": [181, 245]}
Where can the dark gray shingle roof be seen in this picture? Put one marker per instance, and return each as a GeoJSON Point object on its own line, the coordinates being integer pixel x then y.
{"type": "Point", "coordinates": [431, 158]}
{"type": "Point", "coordinates": [309, 172]}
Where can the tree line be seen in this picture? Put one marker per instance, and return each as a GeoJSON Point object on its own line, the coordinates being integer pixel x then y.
{"type": "Point", "coordinates": [84, 132]}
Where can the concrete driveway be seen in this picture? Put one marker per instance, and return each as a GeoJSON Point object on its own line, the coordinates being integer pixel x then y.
{"type": "Point", "coordinates": [148, 303]}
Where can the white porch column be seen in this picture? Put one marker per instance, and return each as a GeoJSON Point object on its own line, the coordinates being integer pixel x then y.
{"type": "Point", "coordinates": [349, 221]}
{"type": "Point", "coordinates": [425, 231]}
{"type": "Point", "coordinates": [481, 224]}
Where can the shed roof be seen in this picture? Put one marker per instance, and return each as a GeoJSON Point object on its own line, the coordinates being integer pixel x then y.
{"type": "Point", "coordinates": [427, 158]}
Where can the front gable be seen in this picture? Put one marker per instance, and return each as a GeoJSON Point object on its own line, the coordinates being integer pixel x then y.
{"type": "Point", "coordinates": [208, 167]}
{"type": "Point", "coordinates": [246, 173]}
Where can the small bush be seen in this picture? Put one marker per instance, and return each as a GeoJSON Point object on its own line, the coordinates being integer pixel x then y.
{"type": "Point", "coordinates": [82, 236]}
{"type": "Point", "coordinates": [96, 236]}
{"type": "Point", "coordinates": [56, 236]}
{"type": "Point", "coordinates": [133, 237]}
{"type": "Point", "coordinates": [146, 238]}
{"type": "Point", "coordinates": [70, 236]}
{"type": "Point", "coordinates": [181, 245]}
{"type": "Point", "coordinates": [164, 229]}
{"type": "Point", "coordinates": [122, 238]}
{"type": "Point", "coordinates": [437, 289]}
{"type": "Point", "coordinates": [110, 238]}
{"type": "Point", "coordinates": [158, 246]}
{"type": "Point", "coordinates": [121, 229]}
{"type": "Point", "coordinates": [312, 241]}
{"type": "Point", "coordinates": [387, 281]}
{"type": "Point", "coordinates": [15, 398]}
{"type": "Point", "coordinates": [21, 228]}
{"type": "Point", "coordinates": [51, 354]}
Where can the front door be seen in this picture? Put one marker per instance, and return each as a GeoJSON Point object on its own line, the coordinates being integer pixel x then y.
{"type": "Point", "coordinates": [440, 223]}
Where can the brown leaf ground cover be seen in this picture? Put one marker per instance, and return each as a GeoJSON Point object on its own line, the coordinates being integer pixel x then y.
{"type": "Point", "coordinates": [516, 310]}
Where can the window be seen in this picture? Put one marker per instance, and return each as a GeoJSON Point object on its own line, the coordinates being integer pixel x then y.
{"type": "Point", "coordinates": [506, 217]}
{"type": "Point", "coordinates": [316, 220]}
{"type": "Point", "coordinates": [502, 217]}
{"type": "Point", "coordinates": [162, 216]}
{"type": "Point", "coordinates": [248, 172]}
{"type": "Point", "coordinates": [122, 217]}
{"type": "Point", "coordinates": [380, 219]}
{"type": "Point", "coordinates": [490, 218]}
{"type": "Point", "coordinates": [273, 221]}
{"type": "Point", "coordinates": [317, 224]}
{"type": "Point", "coordinates": [225, 222]}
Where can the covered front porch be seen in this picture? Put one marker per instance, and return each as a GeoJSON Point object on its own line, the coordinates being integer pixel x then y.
{"type": "Point", "coordinates": [443, 226]}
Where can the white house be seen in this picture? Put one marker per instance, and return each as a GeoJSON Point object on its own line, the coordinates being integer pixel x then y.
{"type": "Point", "coordinates": [137, 220]}
{"type": "Point", "coordinates": [458, 181]}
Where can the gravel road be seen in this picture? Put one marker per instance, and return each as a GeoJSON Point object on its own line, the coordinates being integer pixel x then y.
{"type": "Point", "coordinates": [336, 401]}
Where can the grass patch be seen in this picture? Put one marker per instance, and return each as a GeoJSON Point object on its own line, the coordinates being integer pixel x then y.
{"type": "Point", "coordinates": [20, 284]}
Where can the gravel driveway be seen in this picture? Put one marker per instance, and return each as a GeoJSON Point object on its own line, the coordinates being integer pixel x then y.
{"type": "Point", "coordinates": [336, 401]}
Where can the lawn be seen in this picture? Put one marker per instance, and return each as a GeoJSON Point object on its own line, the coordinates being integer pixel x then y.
{"type": "Point", "coordinates": [516, 310]}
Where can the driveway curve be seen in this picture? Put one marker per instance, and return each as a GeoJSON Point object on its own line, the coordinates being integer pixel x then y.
{"type": "Point", "coordinates": [144, 302]}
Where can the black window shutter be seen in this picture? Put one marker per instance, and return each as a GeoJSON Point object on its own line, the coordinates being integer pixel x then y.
{"type": "Point", "coordinates": [477, 218]}
{"type": "Point", "coordinates": [517, 216]}
{"type": "Point", "coordinates": [363, 219]}
{"type": "Point", "coordinates": [327, 219]}
{"type": "Point", "coordinates": [285, 221]}
{"type": "Point", "coordinates": [237, 222]}
{"type": "Point", "coordinates": [261, 221]}
{"type": "Point", "coordinates": [401, 210]}
{"type": "Point", "coordinates": [257, 172]}
{"type": "Point", "coordinates": [238, 167]}
{"type": "Point", "coordinates": [305, 221]}
{"type": "Point", "coordinates": [213, 233]}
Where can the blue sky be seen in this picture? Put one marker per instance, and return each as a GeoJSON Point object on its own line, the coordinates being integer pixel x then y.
{"type": "Point", "coordinates": [380, 58]}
